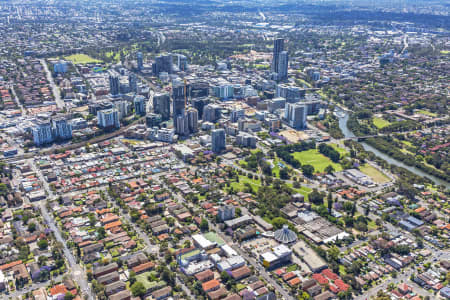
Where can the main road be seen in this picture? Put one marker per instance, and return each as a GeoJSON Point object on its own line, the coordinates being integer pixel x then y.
{"type": "Point", "coordinates": [78, 273]}
{"type": "Point", "coordinates": [55, 89]}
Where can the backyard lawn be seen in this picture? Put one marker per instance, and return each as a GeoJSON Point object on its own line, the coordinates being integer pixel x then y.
{"type": "Point", "coordinates": [318, 161]}
{"type": "Point", "coordinates": [302, 190]}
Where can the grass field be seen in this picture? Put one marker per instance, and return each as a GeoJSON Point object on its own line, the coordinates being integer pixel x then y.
{"type": "Point", "coordinates": [318, 161]}
{"type": "Point", "coordinates": [380, 122]}
{"type": "Point", "coordinates": [373, 173]}
{"type": "Point", "coordinates": [255, 184]}
{"type": "Point", "coordinates": [262, 67]}
{"type": "Point", "coordinates": [341, 151]}
{"type": "Point", "coordinates": [427, 113]}
{"type": "Point", "coordinates": [81, 59]}
{"type": "Point", "coordinates": [445, 51]}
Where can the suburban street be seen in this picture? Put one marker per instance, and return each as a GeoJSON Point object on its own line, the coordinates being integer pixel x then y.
{"type": "Point", "coordinates": [252, 261]}
{"type": "Point", "coordinates": [151, 248]}
{"type": "Point", "coordinates": [76, 270]}
{"type": "Point", "coordinates": [258, 266]}
{"type": "Point", "coordinates": [34, 286]}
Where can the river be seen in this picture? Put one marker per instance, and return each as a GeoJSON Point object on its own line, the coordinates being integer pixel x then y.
{"type": "Point", "coordinates": [343, 117]}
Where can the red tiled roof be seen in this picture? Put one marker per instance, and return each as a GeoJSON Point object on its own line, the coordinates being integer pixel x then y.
{"type": "Point", "coordinates": [329, 274]}
{"type": "Point", "coordinates": [10, 265]}
{"type": "Point", "coordinates": [209, 285]}
{"type": "Point", "coordinates": [58, 289]}
{"type": "Point", "coordinates": [280, 271]}
{"type": "Point", "coordinates": [294, 282]}
{"type": "Point", "coordinates": [288, 276]}
{"type": "Point", "coordinates": [113, 224]}
{"type": "Point", "coordinates": [320, 279]}
{"type": "Point", "coordinates": [341, 285]}
{"type": "Point", "coordinates": [144, 266]}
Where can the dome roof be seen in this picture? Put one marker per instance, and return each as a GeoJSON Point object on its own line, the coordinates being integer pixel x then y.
{"type": "Point", "coordinates": [285, 235]}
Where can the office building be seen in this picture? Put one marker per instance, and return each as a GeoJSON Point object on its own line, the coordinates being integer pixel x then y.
{"type": "Point", "coordinates": [178, 88]}
{"type": "Point", "coordinates": [122, 107]}
{"type": "Point", "coordinates": [316, 76]}
{"type": "Point", "coordinates": [199, 104]}
{"type": "Point", "coordinates": [108, 118]}
{"type": "Point", "coordinates": [62, 129]}
{"type": "Point", "coordinates": [313, 106]}
{"type": "Point", "coordinates": [140, 105]}
{"type": "Point", "coordinates": [79, 123]}
{"type": "Point", "coordinates": [295, 115]}
{"type": "Point", "coordinates": [132, 82]}
{"type": "Point", "coordinates": [161, 105]}
{"type": "Point", "coordinates": [249, 125]}
{"type": "Point", "coordinates": [60, 67]}
{"type": "Point", "coordinates": [273, 122]}
{"type": "Point", "coordinates": [198, 89]}
{"type": "Point", "coordinates": [42, 133]}
{"type": "Point", "coordinates": [211, 113]}
{"type": "Point", "coordinates": [114, 83]}
{"type": "Point", "coordinates": [163, 63]}
{"type": "Point", "coordinates": [290, 93]}
{"type": "Point", "coordinates": [245, 139]}
{"type": "Point", "coordinates": [275, 104]}
{"type": "Point", "coordinates": [283, 62]}
{"type": "Point", "coordinates": [152, 120]}
{"type": "Point", "coordinates": [278, 47]}
{"type": "Point", "coordinates": [226, 212]}
{"type": "Point", "coordinates": [218, 140]}
{"type": "Point", "coordinates": [224, 91]}
{"type": "Point", "coordinates": [182, 62]}
{"type": "Point", "coordinates": [140, 61]}
{"type": "Point", "coordinates": [179, 101]}
{"type": "Point", "coordinates": [181, 124]}
{"type": "Point", "coordinates": [163, 135]}
{"type": "Point", "coordinates": [192, 115]}
{"type": "Point", "coordinates": [237, 114]}
{"type": "Point", "coordinates": [96, 106]}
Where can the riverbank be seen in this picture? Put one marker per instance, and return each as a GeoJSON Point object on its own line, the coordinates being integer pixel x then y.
{"type": "Point", "coordinates": [344, 116]}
